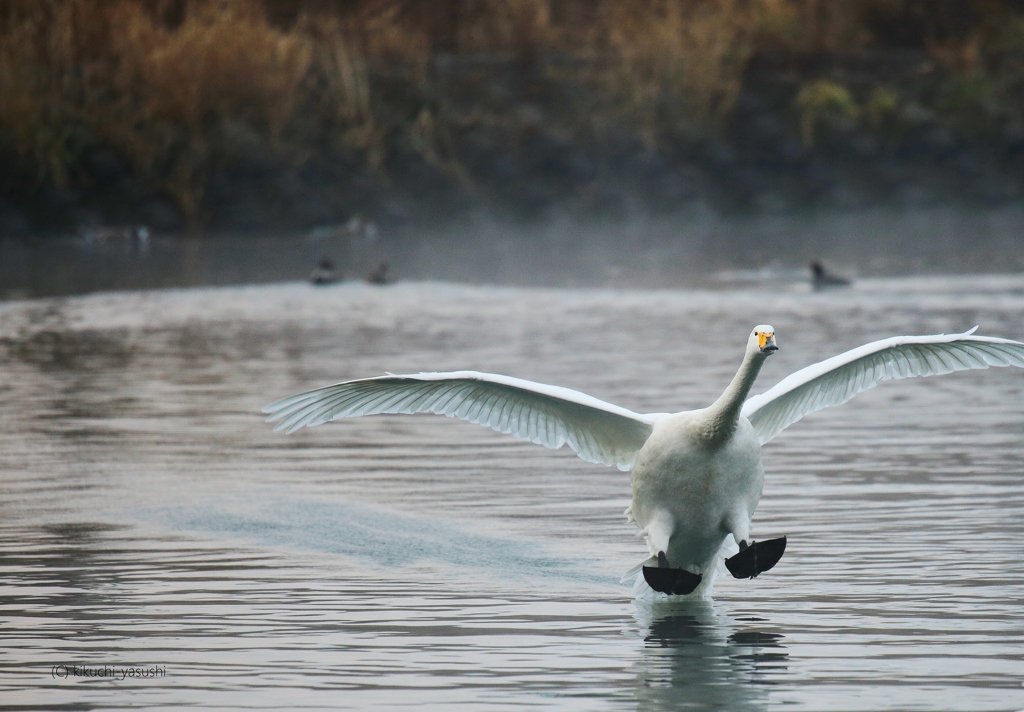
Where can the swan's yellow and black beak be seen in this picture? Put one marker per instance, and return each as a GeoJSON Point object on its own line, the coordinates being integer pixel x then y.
{"type": "Point", "coordinates": [766, 342]}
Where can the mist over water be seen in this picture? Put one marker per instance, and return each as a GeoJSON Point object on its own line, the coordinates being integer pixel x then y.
{"type": "Point", "coordinates": [149, 518]}
{"type": "Point", "coordinates": [697, 249]}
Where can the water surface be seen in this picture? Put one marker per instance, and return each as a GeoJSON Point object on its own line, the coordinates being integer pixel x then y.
{"type": "Point", "coordinates": [149, 519]}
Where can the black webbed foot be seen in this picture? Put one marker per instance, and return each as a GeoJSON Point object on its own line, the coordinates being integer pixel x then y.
{"type": "Point", "coordinates": [664, 579]}
{"type": "Point", "coordinates": [758, 557]}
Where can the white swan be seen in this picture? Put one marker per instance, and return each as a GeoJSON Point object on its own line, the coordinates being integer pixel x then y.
{"type": "Point", "coordinates": [697, 475]}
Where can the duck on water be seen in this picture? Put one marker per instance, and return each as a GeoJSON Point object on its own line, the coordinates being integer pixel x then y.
{"type": "Point", "coordinates": [821, 278]}
{"type": "Point", "coordinates": [696, 475]}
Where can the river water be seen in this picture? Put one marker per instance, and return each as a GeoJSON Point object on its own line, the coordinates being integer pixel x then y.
{"type": "Point", "coordinates": [161, 547]}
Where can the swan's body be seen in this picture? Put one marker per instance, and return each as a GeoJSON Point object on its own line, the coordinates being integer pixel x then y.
{"type": "Point", "coordinates": [698, 478]}
{"type": "Point", "coordinates": [697, 475]}
{"type": "Point", "coordinates": [689, 495]}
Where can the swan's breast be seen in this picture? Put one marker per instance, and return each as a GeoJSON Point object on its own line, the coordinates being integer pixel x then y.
{"type": "Point", "coordinates": [676, 468]}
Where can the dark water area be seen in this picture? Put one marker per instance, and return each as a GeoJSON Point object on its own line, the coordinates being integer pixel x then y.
{"type": "Point", "coordinates": [150, 520]}
{"type": "Point", "coordinates": [700, 249]}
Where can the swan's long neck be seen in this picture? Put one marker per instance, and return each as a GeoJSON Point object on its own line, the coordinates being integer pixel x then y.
{"type": "Point", "coordinates": [724, 413]}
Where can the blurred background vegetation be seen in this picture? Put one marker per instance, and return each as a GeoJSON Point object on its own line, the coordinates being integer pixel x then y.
{"type": "Point", "coordinates": [282, 115]}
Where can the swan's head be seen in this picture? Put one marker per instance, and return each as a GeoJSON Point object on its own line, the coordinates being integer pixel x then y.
{"type": "Point", "coordinates": [762, 340]}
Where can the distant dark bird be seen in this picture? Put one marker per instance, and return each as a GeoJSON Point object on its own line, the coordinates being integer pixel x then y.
{"type": "Point", "coordinates": [324, 273]}
{"type": "Point", "coordinates": [380, 275]}
{"type": "Point", "coordinates": [822, 279]}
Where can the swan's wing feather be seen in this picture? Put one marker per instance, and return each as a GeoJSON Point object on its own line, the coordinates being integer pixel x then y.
{"type": "Point", "coordinates": [838, 379]}
{"type": "Point", "coordinates": [547, 415]}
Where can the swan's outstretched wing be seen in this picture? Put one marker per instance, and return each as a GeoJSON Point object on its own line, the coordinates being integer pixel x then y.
{"type": "Point", "coordinates": [547, 415]}
{"type": "Point", "coordinates": [840, 378]}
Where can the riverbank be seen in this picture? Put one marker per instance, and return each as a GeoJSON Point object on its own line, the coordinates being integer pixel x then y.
{"type": "Point", "coordinates": [234, 118]}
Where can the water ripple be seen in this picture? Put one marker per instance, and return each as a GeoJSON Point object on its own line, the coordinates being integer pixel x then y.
{"type": "Point", "coordinates": [151, 520]}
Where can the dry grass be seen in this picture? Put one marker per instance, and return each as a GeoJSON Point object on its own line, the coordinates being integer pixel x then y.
{"type": "Point", "coordinates": [675, 60]}
{"type": "Point", "coordinates": [39, 77]}
{"type": "Point", "coordinates": [223, 61]}
{"type": "Point", "coordinates": [161, 92]}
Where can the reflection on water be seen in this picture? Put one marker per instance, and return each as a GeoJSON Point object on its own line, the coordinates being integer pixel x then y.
{"type": "Point", "coordinates": [149, 518]}
{"type": "Point", "coordinates": [696, 657]}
